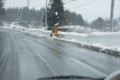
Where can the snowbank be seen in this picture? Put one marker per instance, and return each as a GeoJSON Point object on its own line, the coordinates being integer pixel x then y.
{"type": "Point", "coordinates": [79, 29]}
{"type": "Point", "coordinates": [104, 40]}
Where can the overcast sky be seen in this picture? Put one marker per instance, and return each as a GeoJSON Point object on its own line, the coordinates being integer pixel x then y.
{"type": "Point", "coordinates": [91, 10]}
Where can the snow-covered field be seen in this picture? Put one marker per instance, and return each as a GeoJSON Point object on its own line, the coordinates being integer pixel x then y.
{"type": "Point", "coordinates": [104, 40]}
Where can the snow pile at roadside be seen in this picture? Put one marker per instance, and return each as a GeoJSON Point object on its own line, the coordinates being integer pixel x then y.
{"type": "Point", "coordinates": [15, 27]}
{"type": "Point", "coordinates": [79, 29]}
{"type": "Point", "coordinates": [104, 40]}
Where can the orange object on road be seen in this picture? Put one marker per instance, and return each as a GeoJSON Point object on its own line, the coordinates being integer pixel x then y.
{"type": "Point", "coordinates": [55, 30]}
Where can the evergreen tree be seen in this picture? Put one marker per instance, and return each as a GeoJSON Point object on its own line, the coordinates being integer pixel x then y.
{"type": "Point", "coordinates": [56, 14]}
{"type": "Point", "coordinates": [98, 23]}
{"type": "Point", "coordinates": [36, 17]}
{"type": "Point", "coordinates": [21, 15]}
{"type": "Point", "coordinates": [74, 19]}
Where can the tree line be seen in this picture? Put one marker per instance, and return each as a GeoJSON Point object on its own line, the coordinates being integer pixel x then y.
{"type": "Point", "coordinates": [57, 15]}
{"type": "Point", "coordinates": [104, 24]}
{"type": "Point", "coordinates": [24, 16]}
{"type": "Point", "coordinates": [36, 17]}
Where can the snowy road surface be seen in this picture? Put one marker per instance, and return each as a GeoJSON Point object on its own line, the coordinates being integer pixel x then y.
{"type": "Point", "coordinates": [24, 57]}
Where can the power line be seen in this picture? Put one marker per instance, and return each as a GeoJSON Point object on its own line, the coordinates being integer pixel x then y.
{"type": "Point", "coordinates": [83, 4]}
{"type": "Point", "coordinates": [74, 1]}
{"type": "Point", "coordinates": [69, 1]}
{"type": "Point", "coordinates": [74, 4]}
{"type": "Point", "coordinates": [87, 3]}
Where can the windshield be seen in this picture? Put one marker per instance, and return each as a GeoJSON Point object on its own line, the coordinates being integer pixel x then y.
{"type": "Point", "coordinates": [47, 39]}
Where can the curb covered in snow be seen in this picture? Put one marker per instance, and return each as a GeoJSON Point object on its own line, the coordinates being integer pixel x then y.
{"type": "Point", "coordinates": [98, 49]}
{"type": "Point", "coordinates": [38, 33]}
{"type": "Point", "coordinates": [90, 47]}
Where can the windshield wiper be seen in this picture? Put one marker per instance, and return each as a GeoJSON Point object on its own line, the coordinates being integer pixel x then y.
{"type": "Point", "coordinates": [69, 77]}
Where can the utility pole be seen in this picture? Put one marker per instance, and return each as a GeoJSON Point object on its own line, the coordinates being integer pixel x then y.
{"type": "Point", "coordinates": [112, 14]}
{"type": "Point", "coordinates": [46, 25]}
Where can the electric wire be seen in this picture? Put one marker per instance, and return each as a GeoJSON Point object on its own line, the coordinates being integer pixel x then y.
{"type": "Point", "coordinates": [77, 7]}
{"type": "Point", "coordinates": [76, 3]}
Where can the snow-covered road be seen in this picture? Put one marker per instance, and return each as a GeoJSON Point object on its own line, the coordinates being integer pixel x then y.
{"type": "Point", "coordinates": [24, 57]}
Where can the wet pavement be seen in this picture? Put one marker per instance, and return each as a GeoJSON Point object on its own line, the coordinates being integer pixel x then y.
{"type": "Point", "coordinates": [24, 57]}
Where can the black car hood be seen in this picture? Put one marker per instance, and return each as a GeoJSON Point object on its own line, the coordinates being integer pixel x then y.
{"type": "Point", "coordinates": [70, 77]}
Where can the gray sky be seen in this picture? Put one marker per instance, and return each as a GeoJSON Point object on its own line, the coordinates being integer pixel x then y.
{"type": "Point", "coordinates": [91, 11]}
